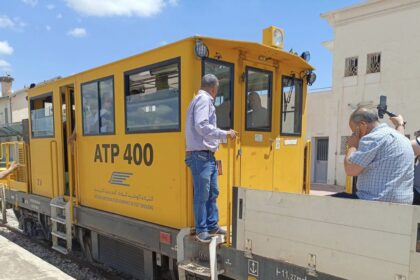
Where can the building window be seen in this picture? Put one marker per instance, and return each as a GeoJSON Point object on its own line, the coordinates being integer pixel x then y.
{"type": "Point", "coordinates": [291, 106]}
{"type": "Point", "coordinates": [98, 107]}
{"type": "Point", "coordinates": [42, 116]}
{"type": "Point", "coordinates": [224, 99]}
{"type": "Point", "coordinates": [322, 150]}
{"type": "Point", "coordinates": [351, 66]}
{"type": "Point", "coordinates": [152, 98]}
{"type": "Point", "coordinates": [373, 63]}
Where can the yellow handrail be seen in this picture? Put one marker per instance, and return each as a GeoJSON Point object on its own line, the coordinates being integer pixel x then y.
{"type": "Point", "coordinates": [229, 189]}
{"type": "Point", "coordinates": [70, 157]}
{"type": "Point", "coordinates": [308, 167]}
{"type": "Point", "coordinates": [349, 179]}
{"type": "Point", "coordinates": [76, 171]}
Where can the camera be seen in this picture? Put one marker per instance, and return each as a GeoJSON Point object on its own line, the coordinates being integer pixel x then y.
{"type": "Point", "coordinates": [382, 108]}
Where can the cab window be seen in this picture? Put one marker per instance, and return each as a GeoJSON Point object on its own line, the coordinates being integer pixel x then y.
{"type": "Point", "coordinates": [258, 99]}
{"type": "Point", "coordinates": [42, 116]}
{"type": "Point", "coordinates": [291, 104]}
{"type": "Point", "coordinates": [98, 107]}
{"type": "Point", "coordinates": [224, 99]}
{"type": "Point", "coordinates": [152, 98]}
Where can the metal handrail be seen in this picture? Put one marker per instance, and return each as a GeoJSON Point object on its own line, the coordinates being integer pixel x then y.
{"type": "Point", "coordinates": [308, 157]}
{"type": "Point", "coordinates": [349, 179]}
{"type": "Point", "coordinates": [76, 171]}
{"type": "Point", "coordinates": [229, 188]}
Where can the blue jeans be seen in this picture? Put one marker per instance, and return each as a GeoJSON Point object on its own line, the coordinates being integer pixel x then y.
{"type": "Point", "coordinates": [204, 171]}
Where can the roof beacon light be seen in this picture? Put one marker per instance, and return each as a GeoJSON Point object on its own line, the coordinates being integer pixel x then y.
{"type": "Point", "coordinates": [273, 37]}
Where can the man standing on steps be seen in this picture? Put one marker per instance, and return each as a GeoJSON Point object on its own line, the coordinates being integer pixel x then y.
{"type": "Point", "coordinates": [202, 138]}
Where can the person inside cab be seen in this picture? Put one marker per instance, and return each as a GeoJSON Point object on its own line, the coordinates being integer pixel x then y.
{"type": "Point", "coordinates": [257, 115]}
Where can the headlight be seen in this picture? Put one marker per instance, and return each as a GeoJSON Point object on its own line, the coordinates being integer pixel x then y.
{"type": "Point", "coordinates": [306, 56]}
{"type": "Point", "coordinates": [200, 49]}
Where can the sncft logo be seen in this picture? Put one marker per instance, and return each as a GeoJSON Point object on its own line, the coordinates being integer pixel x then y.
{"type": "Point", "coordinates": [120, 178]}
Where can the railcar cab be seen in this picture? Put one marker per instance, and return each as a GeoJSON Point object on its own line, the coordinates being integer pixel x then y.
{"type": "Point", "coordinates": [262, 95]}
{"type": "Point", "coordinates": [129, 116]}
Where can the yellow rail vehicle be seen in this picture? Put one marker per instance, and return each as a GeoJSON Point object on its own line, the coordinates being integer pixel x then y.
{"type": "Point", "coordinates": [113, 137]}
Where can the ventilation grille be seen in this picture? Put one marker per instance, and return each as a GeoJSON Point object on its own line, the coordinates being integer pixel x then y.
{"type": "Point", "coordinates": [22, 170]}
{"type": "Point", "coordinates": [121, 256]}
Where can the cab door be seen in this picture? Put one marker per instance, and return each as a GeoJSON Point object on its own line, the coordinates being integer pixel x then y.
{"type": "Point", "coordinates": [256, 135]}
{"type": "Point", "coordinates": [46, 143]}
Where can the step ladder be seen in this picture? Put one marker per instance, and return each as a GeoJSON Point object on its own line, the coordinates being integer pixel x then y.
{"type": "Point", "coordinates": [61, 225]}
{"type": "Point", "coordinates": [209, 270]}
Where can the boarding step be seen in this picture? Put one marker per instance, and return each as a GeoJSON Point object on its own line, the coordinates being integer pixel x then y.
{"type": "Point", "coordinates": [59, 235]}
{"type": "Point", "coordinates": [201, 264]}
{"type": "Point", "coordinates": [60, 249]}
{"type": "Point", "coordinates": [59, 219]}
{"type": "Point", "coordinates": [61, 224]}
{"type": "Point", "coordinates": [58, 205]}
{"type": "Point", "coordinates": [197, 268]}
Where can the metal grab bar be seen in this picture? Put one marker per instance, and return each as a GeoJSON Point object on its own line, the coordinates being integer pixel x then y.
{"type": "Point", "coordinates": [307, 167]}
{"type": "Point", "coordinates": [76, 171]}
{"type": "Point", "coordinates": [230, 170]}
{"type": "Point", "coordinates": [229, 188]}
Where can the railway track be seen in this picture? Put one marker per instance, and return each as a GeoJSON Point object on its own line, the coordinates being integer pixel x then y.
{"type": "Point", "coordinates": [74, 264]}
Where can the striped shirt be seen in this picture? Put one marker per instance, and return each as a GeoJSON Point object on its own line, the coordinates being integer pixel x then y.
{"type": "Point", "coordinates": [201, 128]}
{"type": "Point", "coordinates": [387, 158]}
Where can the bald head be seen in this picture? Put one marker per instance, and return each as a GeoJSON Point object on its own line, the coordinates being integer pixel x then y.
{"type": "Point", "coordinates": [363, 120]}
{"type": "Point", "coordinates": [365, 113]}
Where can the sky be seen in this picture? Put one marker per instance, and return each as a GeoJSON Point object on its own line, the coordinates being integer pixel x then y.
{"type": "Point", "coordinates": [42, 39]}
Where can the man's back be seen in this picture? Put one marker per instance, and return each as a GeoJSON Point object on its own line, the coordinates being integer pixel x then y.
{"type": "Point", "coordinates": [387, 158]}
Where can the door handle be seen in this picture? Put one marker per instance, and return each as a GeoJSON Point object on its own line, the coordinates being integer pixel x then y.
{"type": "Point", "coordinates": [239, 153]}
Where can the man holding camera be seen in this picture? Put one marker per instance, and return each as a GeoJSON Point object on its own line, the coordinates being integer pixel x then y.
{"type": "Point", "coordinates": [381, 157]}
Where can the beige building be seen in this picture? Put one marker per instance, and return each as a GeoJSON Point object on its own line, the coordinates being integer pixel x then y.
{"type": "Point", "coordinates": [376, 51]}
{"type": "Point", "coordinates": [13, 105]}
{"type": "Point", "coordinates": [19, 105]}
{"type": "Point", "coordinates": [13, 109]}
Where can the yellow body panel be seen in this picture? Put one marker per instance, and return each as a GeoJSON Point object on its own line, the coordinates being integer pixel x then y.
{"type": "Point", "coordinates": [45, 176]}
{"type": "Point", "coordinates": [161, 192]}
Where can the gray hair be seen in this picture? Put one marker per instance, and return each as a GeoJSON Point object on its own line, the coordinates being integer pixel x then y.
{"type": "Point", "coordinates": [209, 81]}
{"type": "Point", "coordinates": [365, 112]}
